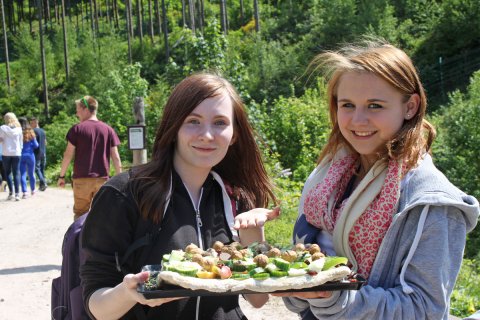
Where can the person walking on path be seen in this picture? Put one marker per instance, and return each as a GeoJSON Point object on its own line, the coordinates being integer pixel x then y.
{"type": "Point", "coordinates": [3, 178]}
{"type": "Point", "coordinates": [94, 143]}
{"type": "Point", "coordinates": [12, 142]}
{"type": "Point", "coordinates": [40, 153]}
{"type": "Point", "coordinates": [27, 161]}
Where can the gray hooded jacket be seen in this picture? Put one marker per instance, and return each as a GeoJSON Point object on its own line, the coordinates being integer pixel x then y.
{"type": "Point", "coordinates": [418, 261]}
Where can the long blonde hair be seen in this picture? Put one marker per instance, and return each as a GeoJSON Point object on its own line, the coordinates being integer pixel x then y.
{"type": "Point", "coordinates": [394, 66]}
{"type": "Point", "coordinates": [11, 120]}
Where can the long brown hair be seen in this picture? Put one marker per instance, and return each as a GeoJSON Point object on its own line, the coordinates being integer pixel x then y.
{"type": "Point", "coordinates": [242, 166]}
{"type": "Point", "coordinates": [28, 133]}
{"type": "Point", "coordinates": [394, 66]}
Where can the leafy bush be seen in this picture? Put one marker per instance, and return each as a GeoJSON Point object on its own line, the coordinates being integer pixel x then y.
{"type": "Point", "coordinates": [56, 142]}
{"type": "Point", "coordinates": [458, 147]}
{"type": "Point", "coordinates": [466, 295]}
{"type": "Point", "coordinates": [296, 129]}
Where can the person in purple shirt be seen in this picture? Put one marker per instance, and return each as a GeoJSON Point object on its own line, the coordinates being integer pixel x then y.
{"type": "Point", "coordinates": [91, 143]}
{"type": "Point", "coordinates": [27, 160]}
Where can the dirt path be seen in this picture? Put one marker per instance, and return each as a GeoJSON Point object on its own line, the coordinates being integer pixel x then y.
{"type": "Point", "coordinates": [31, 234]}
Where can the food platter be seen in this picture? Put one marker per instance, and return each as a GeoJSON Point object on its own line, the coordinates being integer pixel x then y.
{"type": "Point", "coordinates": [354, 282]}
{"type": "Point", "coordinates": [231, 269]}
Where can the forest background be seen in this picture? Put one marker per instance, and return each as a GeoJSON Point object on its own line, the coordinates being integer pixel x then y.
{"type": "Point", "coordinates": [55, 51]}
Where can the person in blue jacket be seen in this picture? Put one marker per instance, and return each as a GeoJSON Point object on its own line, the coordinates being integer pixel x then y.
{"type": "Point", "coordinates": [27, 160]}
{"type": "Point", "coordinates": [376, 196]}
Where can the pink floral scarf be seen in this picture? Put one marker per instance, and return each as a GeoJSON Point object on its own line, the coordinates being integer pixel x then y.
{"type": "Point", "coordinates": [323, 209]}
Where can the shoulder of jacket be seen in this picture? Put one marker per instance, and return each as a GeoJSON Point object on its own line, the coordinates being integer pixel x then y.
{"type": "Point", "coordinates": [119, 181]}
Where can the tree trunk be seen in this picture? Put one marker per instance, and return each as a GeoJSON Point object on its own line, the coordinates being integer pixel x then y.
{"type": "Point", "coordinates": [42, 54]}
{"type": "Point", "coordinates": [191, 10]}
{"type": "Point", "coordinates": [65, 41]}
{"type": "Point", "coordinates": [128, 19]}
{"type": "Point", "coordinates": [108, 12]}
{"type": "Point", "coordinates": [47, 12]}
{"type": "Point", "coordinates": [95, 16]}
{"type": "Point", "coordinates": [30, 16]}
{"type": "Point", "coordinates": [150, 21]}
{"type": "Point", "coordinates": [5, 41]}
{"type": "Point", "coordinates": [257, 15]}
{"type": "Point", "coordinates": [184, 18]}
{"type": "Point", "coordinates": [223, 16]}
{"type": "Point", "coordinates": [157, 16]}
{"type": "Point", "coordinates": [21, 13]}
{"type": "Point", "coordinates": [201, 14]}
{"type": "Point", "coordinates": [10, 16]}
{"type": "Point", "coordinates": [115, 14]}
{"type": "Point", "coordinates": [92, 20]}
{"type": "Point", "coordinates": [57, 12]}
{"type": "Point", "coordinates": [139, 156]}
{"type": "Point", "coordinates": [140, 22]}
{"type": "Point", "coordinates": [165, 30]}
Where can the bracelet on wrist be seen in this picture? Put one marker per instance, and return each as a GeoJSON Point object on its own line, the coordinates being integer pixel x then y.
{"type": "Point", "coordinates": [61, 177]}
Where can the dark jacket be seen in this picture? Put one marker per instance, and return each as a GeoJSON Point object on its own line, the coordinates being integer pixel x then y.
{"type": "Point", "coordinates": [114, 223]}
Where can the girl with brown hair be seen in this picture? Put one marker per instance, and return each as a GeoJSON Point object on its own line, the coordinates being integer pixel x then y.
{"type": "Point", "coordinates": [27, 161]}
{"type": "Point", "coordinates": [204, 140]}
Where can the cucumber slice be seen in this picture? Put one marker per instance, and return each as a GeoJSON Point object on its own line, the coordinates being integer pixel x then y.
{"type": "Point", "coordinates": [240, 275]}
{"type": "Point", "coordinates": [261, 276]}
{"type": "Point", "coordinates": [271, 267]}
{"type": "Point", "coordinates": [256, 271]}
{"type": "Point", "coordinates": [282, 264]}
{"type": "Point", "coordinates": [186, 270]}
{"type": "Point", "coordinates": [166, 258]}
{"type": "Point", "coordinates": [299, 265]}
{"type": "Point", "coordinates": [238, 266]}
{"type": "Point", "coordinates": [333, 261]}
{"type": "Point", "coordinates": [278, 273]}
{"type": "Point", "coordinates": [250, 265]}
{"type": "Point", "coordinates": [176, 255]}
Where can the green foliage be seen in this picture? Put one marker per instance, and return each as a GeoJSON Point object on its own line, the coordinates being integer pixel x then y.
{"type": "Point", "coordinates": [280, 230]}
{"type": "Point", "coordinates": [458, 147]}
{"type": "Point", "coordinates": [200, 52]}
{"type": "Point", "coordinates": [466, 295]}
{"type": "Point", "coordinates": [56, 140]}
{"type": "Point", "coordinates": [115, 103]}
{"type": "Point", "coordinates": [302, 121]}
{"type": "Point", "coordinates": [154, 105]}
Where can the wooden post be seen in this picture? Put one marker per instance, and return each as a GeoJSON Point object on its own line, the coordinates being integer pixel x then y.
{"type": "Point", "coordinates": [139, 156]}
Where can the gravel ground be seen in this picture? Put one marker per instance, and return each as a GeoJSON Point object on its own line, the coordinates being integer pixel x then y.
{"type": "Point", "coordinates": [31, 234]}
